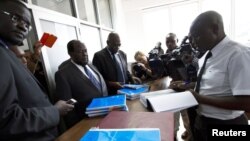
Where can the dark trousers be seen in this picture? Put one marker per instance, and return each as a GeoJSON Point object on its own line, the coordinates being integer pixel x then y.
{"type": "Point", "coordinates": [191, 116]}
{"type": "Point", "coordinates": [202, 123]}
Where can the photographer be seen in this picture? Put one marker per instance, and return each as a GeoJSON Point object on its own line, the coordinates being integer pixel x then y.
{"type": "Point", "coordinates": [141, 68]}
{"type": "Point", "coordinates": [182, 66]}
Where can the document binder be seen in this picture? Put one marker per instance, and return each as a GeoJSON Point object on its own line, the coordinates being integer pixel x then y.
{"type": "Point", "coordinates": [133, 93]}
{"type": "Point", "coordinates": [104, 105]}
{"type": "Point", "coordinates": [120, 119]}
{"type": "Point", "coordinates": [130, 134]}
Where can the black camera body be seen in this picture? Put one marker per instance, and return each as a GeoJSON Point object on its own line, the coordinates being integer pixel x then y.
{"type": "Point", "coordinates": [138, 70]}
{"type": "Point", "coordinates": [174, 64]}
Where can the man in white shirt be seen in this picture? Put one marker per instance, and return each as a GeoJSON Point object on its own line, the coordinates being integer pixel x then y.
{"type": "Point", "coordinates": [224, 91]}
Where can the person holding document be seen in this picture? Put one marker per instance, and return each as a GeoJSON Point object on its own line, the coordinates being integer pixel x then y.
{"type": "Point", "coordinates": [222, 88]}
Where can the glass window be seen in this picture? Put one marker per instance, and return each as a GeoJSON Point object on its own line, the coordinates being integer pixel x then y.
{"type": "Point", "coordinates": [64, 34]}
{"type": "Point", "coordinates": [91, 38]}
{"type": "Point", "coordinates": [105, 13]}
{"type": "Point", "coordinates": [62, 6]}
{"type": "Point", "coordinates": [182, 16]}
{"type": "Point", "coordinates": [221, 6]}
{"type": "Point", "coordinates": [242, 28]}
{"type": "Point", "coordinates": [105, 35]}
{"type": "Point", "coordinates": [155, 28]}
{"type": "Point", "coordinates": [86, 10]}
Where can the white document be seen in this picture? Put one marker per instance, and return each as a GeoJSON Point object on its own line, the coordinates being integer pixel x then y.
{"type": "Point", "coordinates": [145, 96]}
{"type": "Point", "coordinates": [172, 102]}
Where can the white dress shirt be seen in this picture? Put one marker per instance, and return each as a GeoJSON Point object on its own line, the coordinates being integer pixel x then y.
{"type": "Point", "coordinates": [227, 73]}
{"type": "Point", "coordinates": [83, 71]}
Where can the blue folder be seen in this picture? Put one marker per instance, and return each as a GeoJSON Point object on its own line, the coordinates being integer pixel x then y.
{"type": "Point", "coordinates": [107, 102]}
{"type": "Point", "coordinates": [134, 86]}
{"type": "Point", "coordinates": [133, 93]}
{"type": "Point", "coordinates": [127, 134]}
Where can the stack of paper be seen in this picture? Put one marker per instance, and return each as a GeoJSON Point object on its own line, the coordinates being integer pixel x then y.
{"type": "Point", "coordinates": [144, 96]}
{"type": "Point", "coordinates": [168, 100]}
{"type": "Point", "coordinates": [103, 105]}
{"type": "Point", "coordinates": [133, 91]}
{"type": "Point", "coordinates": [129, 134]}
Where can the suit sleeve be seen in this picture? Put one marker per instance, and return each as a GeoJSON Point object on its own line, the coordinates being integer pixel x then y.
{"type": "Point", "coordinates": [129, 76]}
{"type": "Point", "coordinates": [97, 62]}
{"type": "Point", "coordinates": [14, 119]}
{"type": "Point", "coordinates": [63, 90]}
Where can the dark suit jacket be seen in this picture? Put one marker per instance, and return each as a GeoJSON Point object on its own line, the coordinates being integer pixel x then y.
{"type": "Point", "coordinates": [25, 111]}
{"type": "Point", "coordinates": [72, 83]}
{"type": "Point", "coordinates": [106, 66]}
{"type": "Point", "coordinates": [64, 63]}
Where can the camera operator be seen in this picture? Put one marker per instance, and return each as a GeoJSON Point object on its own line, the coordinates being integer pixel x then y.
{"type": "Point", "coordinates": [188, 56]}
{"type": "Point", "coordinates": [171, 42]}
{"type": "Point", "coordinates": [141, 68]}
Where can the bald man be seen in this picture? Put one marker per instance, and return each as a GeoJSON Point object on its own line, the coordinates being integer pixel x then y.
{"type": "Point", "coordinates": [224, 91]}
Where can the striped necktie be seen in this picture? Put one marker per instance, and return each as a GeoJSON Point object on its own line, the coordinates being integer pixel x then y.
{"type": "Point", "coordinates": [92, 78]}
{"type": "Point", "coordinates": [120, 75]}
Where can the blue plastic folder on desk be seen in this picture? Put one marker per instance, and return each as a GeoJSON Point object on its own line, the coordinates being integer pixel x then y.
{"type": "Point", "coordinates": [134, 86]}
{"type": "Point", "coordinates": [133, 93]}
{"type": "Point", "coordinates": [128, 134]}
{"type": "Point", "coordinates": [107, 102]}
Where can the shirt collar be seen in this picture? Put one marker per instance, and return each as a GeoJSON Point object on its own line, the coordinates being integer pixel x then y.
{"type": "Point", "coordinates": [216, 50]}
{"type": "Point", "coordinates": [111, 53]}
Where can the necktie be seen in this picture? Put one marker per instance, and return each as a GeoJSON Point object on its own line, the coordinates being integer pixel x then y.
{"type": "Point", "coordinates": [192, 111]}
{"type": "Point", "coordinates": [120, 75]}
{"type": "Point", "coordinates": [197, 87]}
{"type": "Point", "coordinates": [92, 78]}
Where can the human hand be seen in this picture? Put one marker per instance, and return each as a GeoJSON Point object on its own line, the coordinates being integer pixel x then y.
{"type": "Point", "coordinates": [37, 48]}
{"type": "Point", "coordinates": [63, 107]}
{"type": "Point", "coordinates": [178, 85]}
{"type": "Point", "coordinates": [115, 85]}
{"type": "Point", "coordinates": [195, 94]}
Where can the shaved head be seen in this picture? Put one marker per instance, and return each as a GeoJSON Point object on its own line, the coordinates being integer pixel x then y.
{"type": "Point", "coordinates": [207, 30]}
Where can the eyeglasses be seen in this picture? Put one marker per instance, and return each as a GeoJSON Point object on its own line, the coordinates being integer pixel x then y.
{"type": "Point", "coordinates": [18, 19]}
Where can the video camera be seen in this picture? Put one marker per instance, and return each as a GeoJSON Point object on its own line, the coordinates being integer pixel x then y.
{"type": "Point", "coordinates": [174, 64]}
{"type": "Point", "coordinates": [138, 70]}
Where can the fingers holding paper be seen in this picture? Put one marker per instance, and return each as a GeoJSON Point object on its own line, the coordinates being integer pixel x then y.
{"type": "Point", "coordinates": [196, 95]}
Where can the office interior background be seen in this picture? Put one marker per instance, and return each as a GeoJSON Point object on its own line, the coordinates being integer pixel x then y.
{"type": "Point", "coordinates": [140, 24]}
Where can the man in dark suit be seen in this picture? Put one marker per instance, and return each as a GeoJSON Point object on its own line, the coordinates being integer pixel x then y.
{"type": "Point", "coordinates": [112, 64]}
{"type": "Point", "coordinates": [75, 80]}
{"type": "Point", "coordinates": [25, 111]}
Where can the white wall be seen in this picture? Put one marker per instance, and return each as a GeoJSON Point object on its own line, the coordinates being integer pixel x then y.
{"type": "Point", "coordinates": [133, 22]}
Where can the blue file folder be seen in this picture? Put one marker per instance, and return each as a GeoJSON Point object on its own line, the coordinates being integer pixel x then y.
{"type": "Point", "coordinates": [107, 102]}
{"type": "Point", "coordinates": [133, 93]}
{"type": "Point", "coordinates": [128, 134]}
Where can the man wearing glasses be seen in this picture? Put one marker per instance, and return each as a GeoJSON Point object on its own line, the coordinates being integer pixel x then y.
{"type": "Point", "coordinates": [25, 111]}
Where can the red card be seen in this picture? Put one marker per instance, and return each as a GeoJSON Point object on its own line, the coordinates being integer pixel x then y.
{"type": "Point", "coordinates": [48, 39]}
{"type": "Point", "coordinates": [44, 38]}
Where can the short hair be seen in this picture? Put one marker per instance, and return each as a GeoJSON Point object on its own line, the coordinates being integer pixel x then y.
{"type": "Point", "coordinates": [112, 35]}
{"type": "Point", "coordinates": [70, 45]}
{"type": "Point", "coordinates": [138, 53]}
{"type": "Point", "coordinates": [171, 35]}
{"type": "Point", "coordinates": [21, 2]}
